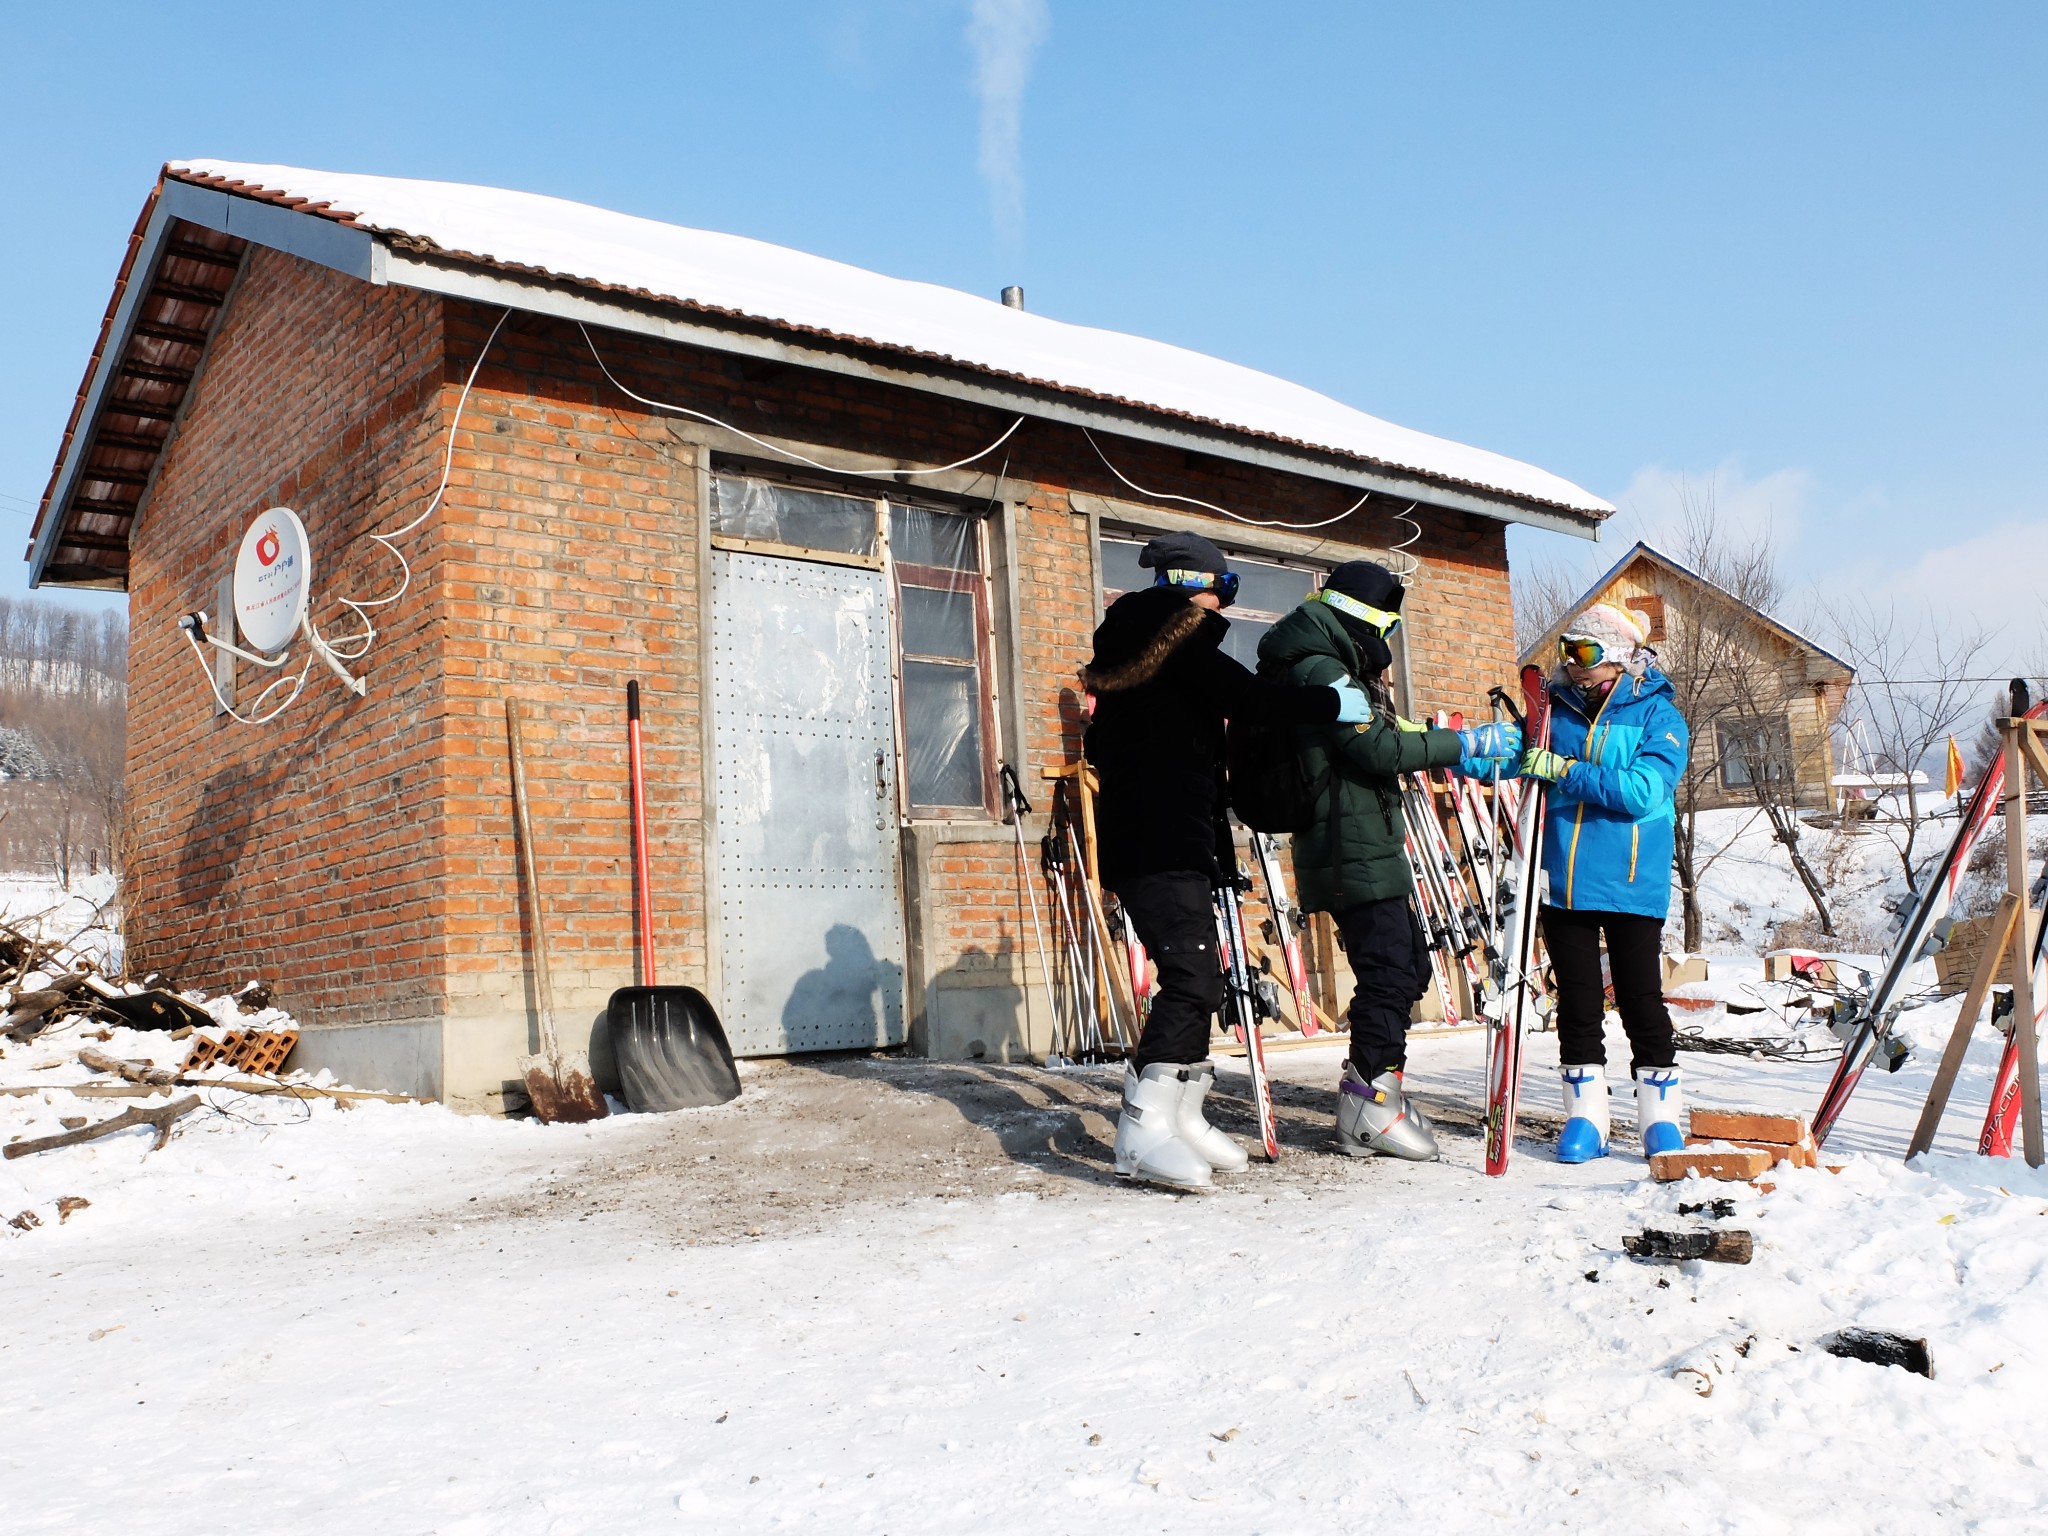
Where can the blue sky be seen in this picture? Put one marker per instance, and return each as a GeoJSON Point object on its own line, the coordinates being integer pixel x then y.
{"type": "Point", "coordinates": [1794, 251]}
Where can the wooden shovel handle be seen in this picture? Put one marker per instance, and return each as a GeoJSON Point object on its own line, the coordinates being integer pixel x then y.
{"type": "Point", "coordinates": [543, 977]}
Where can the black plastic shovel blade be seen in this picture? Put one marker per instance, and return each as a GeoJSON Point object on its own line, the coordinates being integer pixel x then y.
{"type": "Point", "coordinates": [670, 1049]}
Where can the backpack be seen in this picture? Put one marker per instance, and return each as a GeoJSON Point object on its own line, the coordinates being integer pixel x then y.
{"type": "Point", "coordinates": [1271, 789]}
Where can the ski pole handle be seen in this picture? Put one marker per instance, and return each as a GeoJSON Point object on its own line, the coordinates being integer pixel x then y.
{"type": "Point", "coordinates": [1013, 792]}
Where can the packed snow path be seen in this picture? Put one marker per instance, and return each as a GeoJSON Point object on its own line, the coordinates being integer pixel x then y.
{"type": "Point", "coordinates": [896, 1297]}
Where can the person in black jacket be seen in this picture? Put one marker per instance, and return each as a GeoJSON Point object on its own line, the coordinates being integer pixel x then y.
{"type": "Point", "coordinates": [1163, 691]}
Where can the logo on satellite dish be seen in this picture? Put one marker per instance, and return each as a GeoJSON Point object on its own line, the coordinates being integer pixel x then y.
{"type": "Point", "coordinates": [271, 579]}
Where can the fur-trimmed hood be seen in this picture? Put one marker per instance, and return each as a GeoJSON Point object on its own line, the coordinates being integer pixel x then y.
{"type": "Point", "coordinates": [1142, 631]}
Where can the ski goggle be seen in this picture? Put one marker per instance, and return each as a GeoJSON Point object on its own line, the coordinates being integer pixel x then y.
{"type": "Point", "coordinates": [1378, 620]}
{"type": "Point", "coordinates": [1224, 586]}
{"type": "Point", "coordinates": [1581, 651]}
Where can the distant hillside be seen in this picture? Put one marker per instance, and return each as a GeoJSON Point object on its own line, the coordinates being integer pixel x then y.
{"type": "Point", "coordinates": [63, 736]}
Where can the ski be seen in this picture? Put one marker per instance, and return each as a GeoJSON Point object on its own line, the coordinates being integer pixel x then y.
{"type": "Point", "coordinates": [1865, 1024]}
{"type": "Point", "coordinates": [2002, 1119]}
{"type": "Point", "coordinates": [1517, 963]}
{"type": "Point", "coordinates": [1242, 1003]}
{"type": "Point", "coordinates": [1288, 922]}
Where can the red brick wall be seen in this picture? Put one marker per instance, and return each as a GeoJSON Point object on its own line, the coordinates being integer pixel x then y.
{"type": "Point", "coordinates": [360, 852]}
{"type": "Point", "coordinates": [303, 850]}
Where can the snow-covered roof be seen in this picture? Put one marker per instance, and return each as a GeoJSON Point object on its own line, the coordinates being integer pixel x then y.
{"type": "Point", "coordinates": [751, 279]}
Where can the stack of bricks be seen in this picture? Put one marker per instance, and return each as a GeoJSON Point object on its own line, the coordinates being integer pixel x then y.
{"type": "Point", "coordinates": [1738, 1144]}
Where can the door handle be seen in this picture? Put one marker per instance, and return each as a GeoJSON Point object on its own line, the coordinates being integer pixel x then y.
{"type": "Point", "coordinates": [881, 792]}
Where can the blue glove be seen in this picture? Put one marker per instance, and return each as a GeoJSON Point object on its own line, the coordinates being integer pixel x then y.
{"type": "Point", "coordinates": [1353, 707]}
{"type": "Point", "coordinates": [1542, 763]}
{"type": "Point", "coordinates": [1503, 738]}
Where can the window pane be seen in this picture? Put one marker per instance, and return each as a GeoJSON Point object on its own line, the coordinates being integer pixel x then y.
{"type": "Point", "coordinates": [782, 514]}
{"type": "Point", "coordinates": [1121, 572]}
{"type": "Point", "coordinates": [921, 536]}
{"type": "Point", "coordinates": [1243, 639]}
{"type": "Point", "coordinates": [942, 729]}
{"type": "Point", "coordinates": [938, 623]}
{"type": "Point", "coordinates": [1274, 589]}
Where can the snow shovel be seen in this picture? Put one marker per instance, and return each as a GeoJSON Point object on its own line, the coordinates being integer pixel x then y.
{"type": "Point", "coordinates": [669, 1045]}
{"type": "Point", "coordinates": [560, 1086]}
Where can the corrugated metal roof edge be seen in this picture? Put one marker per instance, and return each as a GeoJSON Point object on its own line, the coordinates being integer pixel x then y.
{"type": "Point", "coordinates": [419, 245]}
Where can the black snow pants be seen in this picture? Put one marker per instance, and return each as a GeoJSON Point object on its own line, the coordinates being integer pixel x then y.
{"type": "Point", "coordinates": [1174, 914]}
{"type": "Point", "coordinates": [1390, 960]}
{"type": "Point", "coordinates": [1634, 945]}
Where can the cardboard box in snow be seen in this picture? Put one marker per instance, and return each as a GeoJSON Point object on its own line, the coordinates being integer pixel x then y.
{"type": "Point", "coordinates": [1681, 969]}
{"type": "Point", "coordinates": [1798, 965]}
{"type": "Point", "coordinates": [1956, 962]}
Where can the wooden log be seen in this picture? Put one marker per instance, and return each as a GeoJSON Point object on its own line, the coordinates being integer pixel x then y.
{"type": "Point", "coordinates": [162, 1117]}
{"type": "Point", "coordinates": [1878, 1348]}
{"type": "Point", "coordinates": [1729, 1245]}
{"type": "Point", "coordinates": [133, 1071]}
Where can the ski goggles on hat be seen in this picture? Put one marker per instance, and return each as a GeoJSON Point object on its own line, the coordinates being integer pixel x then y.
{"type": "Point", "coordinates": [1378, 620]}
{"type": "Point", "coordinates": [1224, 586]}
{"type": "Point", "coordinates": [1581, 651]}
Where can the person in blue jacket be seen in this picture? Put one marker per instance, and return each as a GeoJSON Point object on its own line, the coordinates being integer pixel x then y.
{"type": "Point", "coordinates": [1618, 748]}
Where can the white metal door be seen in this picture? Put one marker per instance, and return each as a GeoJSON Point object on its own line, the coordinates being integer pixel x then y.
{"type": "Point", "coordinates": [810, 903]}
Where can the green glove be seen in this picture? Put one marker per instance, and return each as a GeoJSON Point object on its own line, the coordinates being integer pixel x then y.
{"type": "Point", "coordinates": [1542, 763]}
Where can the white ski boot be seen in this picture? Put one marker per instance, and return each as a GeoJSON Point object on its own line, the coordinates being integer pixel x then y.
{"type": "Point", "coordinates": [1221, 1153]}
{"type": "Point", "coordinates": [1149, 1145]}
{"type": "Point", "coordinates": [1659, 1104]}
{"type": "Point", "coordinates": [1584, 1136]}
{"type": "Point", "coordinates": [1373, 1119]}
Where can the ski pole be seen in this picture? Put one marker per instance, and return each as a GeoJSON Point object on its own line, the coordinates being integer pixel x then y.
{"type": "Point", "coordinates": [1019, 808]}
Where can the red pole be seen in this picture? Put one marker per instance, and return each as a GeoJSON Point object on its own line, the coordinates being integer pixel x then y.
{"type": "Point", "coordinates": [640, 865]}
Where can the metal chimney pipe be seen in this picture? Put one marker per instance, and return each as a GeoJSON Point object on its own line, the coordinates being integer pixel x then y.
{"type": "Point", "coordinates": [1013, 297]}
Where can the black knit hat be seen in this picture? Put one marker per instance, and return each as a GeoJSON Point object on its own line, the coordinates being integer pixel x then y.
{"type": "Point", "coordinates": [1370, 583]}
{"type": "Point", "coordinates": [1182, 552]}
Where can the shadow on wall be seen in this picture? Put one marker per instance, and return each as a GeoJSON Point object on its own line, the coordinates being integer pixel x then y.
{"type": "Point", "coordinates": [837, 1001]}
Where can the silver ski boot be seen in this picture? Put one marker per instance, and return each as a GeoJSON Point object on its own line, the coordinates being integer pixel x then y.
{"type": "Point", "coordinates": [1374, 1120]}
{"type": "Point", "coordinates": [1148, 1139]}
{"type": "Point", "coordinates": [1222, 1153]}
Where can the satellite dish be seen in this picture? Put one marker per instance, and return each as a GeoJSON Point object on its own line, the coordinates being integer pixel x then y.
{"type": "Point", "coordinates": [273, 576]}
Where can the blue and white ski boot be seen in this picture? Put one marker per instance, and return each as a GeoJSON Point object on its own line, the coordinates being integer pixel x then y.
{"type": "Point", "coordinates": [1584, 1136]}
{"type": "Point", "coordinates": [1659, 1103]}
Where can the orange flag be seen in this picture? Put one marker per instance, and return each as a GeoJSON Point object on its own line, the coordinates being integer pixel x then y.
{"type": "Point", "coordinates": [1955, 769]}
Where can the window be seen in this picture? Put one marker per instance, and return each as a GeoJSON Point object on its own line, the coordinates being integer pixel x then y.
{"type": "Point", "coordinates": [1266, 590]}
{"type": "Point", "coordinates": [942, 628]}
{"type": "Point", "coordinates": [944, 674]}
{"type": "Point", "coordinates": [1651, 607]}
{"type": "Point", "coordinates": [1755, 751]}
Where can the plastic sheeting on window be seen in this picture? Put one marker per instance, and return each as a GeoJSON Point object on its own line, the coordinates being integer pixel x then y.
{"type": "Point", "coordinates": [925, 536]}
{"type": "Point", "coordinates": [780, 514]}
{"type": "Point", "coordinates": [942, 732]}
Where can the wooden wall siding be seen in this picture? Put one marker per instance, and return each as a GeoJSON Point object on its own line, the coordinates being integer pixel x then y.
{"type": "Point", "coordinates": [1811, 707]}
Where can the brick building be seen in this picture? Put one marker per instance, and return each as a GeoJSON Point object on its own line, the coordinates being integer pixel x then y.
{"type": "Point", "coordinates": [699, 461]}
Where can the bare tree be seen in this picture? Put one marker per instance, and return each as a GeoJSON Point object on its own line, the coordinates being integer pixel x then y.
{"type": "Point", "coordinates": [1717, 684]}
{"type": "Point", "coordinates": [1913, 688]}
{"type": "Point", "coordinates": [1543, 595]}
{"type": "Point", "coordinates": [63, 716]}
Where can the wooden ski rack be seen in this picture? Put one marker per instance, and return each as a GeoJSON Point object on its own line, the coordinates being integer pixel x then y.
{"type": "Point", "coordinates": [2009, 946]}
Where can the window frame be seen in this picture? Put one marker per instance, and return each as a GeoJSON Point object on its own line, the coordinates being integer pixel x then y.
{"type": "Point", "coordinates": [942, 578]}
{"type": "Point", "coordinates": [1729, 740]}
{"type": "Point", "coordinates": [977, 579]}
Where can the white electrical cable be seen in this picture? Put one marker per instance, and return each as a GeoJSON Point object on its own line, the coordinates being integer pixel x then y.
{"type": "Point", "coordinates": [1210, 506]}
{"type": "Point", "coordinates": [255, 715]}
{"type": "Point", "coordinates": [362, 642]}
{"type": "Point", "coordinates": [788, 453]}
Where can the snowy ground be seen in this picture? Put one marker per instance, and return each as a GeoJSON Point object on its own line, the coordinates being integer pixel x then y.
{"type": "Point", "coordinates": [898, 1297]}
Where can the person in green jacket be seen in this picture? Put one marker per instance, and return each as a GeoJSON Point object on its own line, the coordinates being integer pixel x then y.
{"type": "Point", "coordinates": [1349, 860]}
